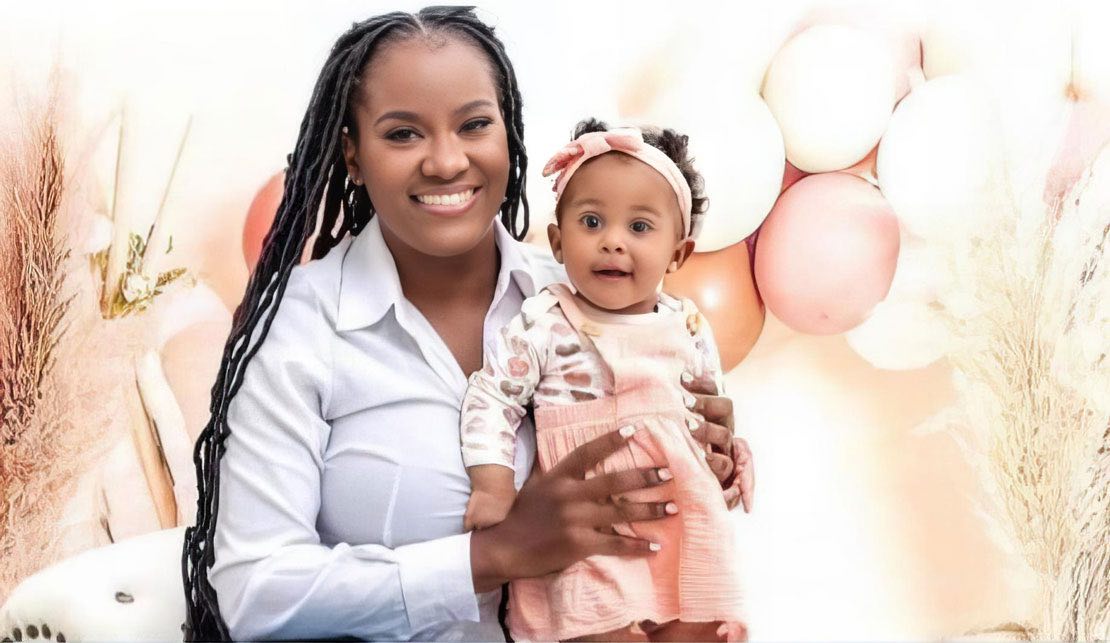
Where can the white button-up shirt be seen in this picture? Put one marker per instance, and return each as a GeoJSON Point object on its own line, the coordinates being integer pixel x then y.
{"type": "Point", "coordinates": [342, 489]}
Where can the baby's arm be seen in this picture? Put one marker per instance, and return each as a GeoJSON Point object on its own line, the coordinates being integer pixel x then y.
{"type": "Point", "coordinates": [492, 411]}
{"type": "Point", "coordinates": [708, 355]}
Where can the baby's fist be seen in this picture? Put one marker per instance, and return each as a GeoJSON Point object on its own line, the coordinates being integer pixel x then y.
{"type": "Point", "coordinates": [486, 509]}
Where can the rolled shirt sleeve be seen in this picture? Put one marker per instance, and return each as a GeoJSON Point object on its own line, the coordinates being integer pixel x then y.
{"type": "Point", "coordinates": [273, 576]}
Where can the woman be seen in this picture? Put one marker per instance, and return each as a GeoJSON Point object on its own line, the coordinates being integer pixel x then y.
{"type": "Point", "coordinates": [335, 419]}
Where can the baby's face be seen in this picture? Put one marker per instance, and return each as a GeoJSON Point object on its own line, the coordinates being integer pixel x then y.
{"type": "Point", "coordinates": [619, 231]}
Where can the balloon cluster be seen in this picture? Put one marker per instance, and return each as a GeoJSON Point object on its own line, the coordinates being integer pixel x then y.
{"type": "Point", "coordinates": [883, 170]}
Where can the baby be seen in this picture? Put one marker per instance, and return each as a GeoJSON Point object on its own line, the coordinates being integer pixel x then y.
{"type": "Point", "coordinates": [604, 352]}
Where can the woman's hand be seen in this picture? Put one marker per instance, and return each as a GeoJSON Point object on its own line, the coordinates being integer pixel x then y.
{"type": "Point", "coordinates": [729, 457]}
{"type": "Point", "coordinates": [561, 517]}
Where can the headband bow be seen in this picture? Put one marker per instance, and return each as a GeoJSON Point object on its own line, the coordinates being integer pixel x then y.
{"type": "Point", "coordinates": [630, 141]}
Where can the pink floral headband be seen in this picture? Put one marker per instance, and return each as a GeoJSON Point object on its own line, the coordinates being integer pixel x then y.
{"type": "Point", "coordinates": [630, 141]}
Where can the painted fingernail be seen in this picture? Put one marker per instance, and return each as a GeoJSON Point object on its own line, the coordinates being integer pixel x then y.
{"type": "Point", "coordinates": [689, 399]}
{"type": "Point", "coordinates": [722, 630]}
{"type": "Point", "coordinates": [655, 546]}
{"type": "Point", "coordinates": [687, 378]}
{"type": "Point", "coordinates": [671, 508]}
{"type": "Point", "coordinates": [627, 431]}
{"type": "Point", "coordinates": [664, 474]}
{"type": "Point", "coordinates": [692, 424]}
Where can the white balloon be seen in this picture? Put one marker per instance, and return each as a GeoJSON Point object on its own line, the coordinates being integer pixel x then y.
{"type": "Point", "coordinates": [921, 273]}
{"type": "Point", "coordinates": [1021, 43]}
{"type": "Point", "coordinates": [938, 162]}
{"type": "Point", "coordinates": [832, 89]}
{"type": "Point", "coordinates": [900, 335]}
{"type": "Point", "coordinates": [736, 146]}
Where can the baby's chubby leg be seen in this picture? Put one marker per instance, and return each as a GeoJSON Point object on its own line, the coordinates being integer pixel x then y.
{"type": "Point", "coordinates": [626, 633]}
{"type": "Point", "coordinates": [491, 495]}
{"type": "Point", "coordinates": [681, 631]}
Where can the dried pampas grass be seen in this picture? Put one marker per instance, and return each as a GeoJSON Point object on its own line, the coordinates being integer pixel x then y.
{"type": "Point", "coordinates": [34, 311]}
{"type": "Point", "coordinates": [1031, 317]}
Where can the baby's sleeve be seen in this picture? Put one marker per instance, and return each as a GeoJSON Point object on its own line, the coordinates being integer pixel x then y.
{"type": "Point", "coordinates": [708, 354]}
{"type": "Point", "coordinates": [499, 393]}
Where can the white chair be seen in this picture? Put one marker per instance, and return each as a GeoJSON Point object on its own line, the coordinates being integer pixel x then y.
{"type": "Point", "coordinates": [127, 591]}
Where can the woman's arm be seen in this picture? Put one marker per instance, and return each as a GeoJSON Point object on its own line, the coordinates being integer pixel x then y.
{"type": "Point", "coordinates": [729, 457]}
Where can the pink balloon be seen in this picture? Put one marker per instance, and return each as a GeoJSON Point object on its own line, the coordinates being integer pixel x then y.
{"type": "Point", "coordinates": [827, 253]}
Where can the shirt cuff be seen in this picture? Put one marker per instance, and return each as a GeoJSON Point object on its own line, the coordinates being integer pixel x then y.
{"type": "Point", "coordinates": [437, 582]}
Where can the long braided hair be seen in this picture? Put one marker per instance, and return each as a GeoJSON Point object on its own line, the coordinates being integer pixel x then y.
{"type": "Point", "coordinates": [317, 173]}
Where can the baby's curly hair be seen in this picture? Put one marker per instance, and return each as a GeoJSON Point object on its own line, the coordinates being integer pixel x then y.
{"type": "Point", "coordinates": [674, 145]}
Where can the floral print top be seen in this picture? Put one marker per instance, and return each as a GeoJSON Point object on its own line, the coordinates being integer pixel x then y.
{"type": "Point", "coordinates": [538, 358]}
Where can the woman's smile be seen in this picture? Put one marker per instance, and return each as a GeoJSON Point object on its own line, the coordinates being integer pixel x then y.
{"type": "Point", "coordinates": [447, 202]}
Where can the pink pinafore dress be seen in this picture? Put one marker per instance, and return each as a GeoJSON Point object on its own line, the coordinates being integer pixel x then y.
{"type": "Point", "coordinates": [694, 577]}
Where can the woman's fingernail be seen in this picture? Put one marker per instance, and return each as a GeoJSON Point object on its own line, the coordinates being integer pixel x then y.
{"type": "Point", "coordinates": [722, 630]}
{"type": "Point", "coordinates": [686, 378]}
{"type": "Point", "coordinates": [693, 424]}
{"type": "Point", "coordinates": [664, 474]}
{"type": "Point", "coordinates": [655, 546]}
{"type": "Point", "coordinates": [689, 400]}
{"type": "Point", "coordinates": [627, 431]}
{"type": "Point", "coordinates": [671, 508]}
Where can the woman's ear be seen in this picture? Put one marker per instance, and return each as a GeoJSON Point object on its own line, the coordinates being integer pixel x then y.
{"type": "Point", "coordinates": [682, 252]}
{"type": "Point", "coordinates": [350, 156]}
{"type": "Point", "coordinates": [555, 237]}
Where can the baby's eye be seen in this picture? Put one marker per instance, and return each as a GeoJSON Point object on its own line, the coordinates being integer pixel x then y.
{"type": "Point", "coordinates": [640, 226]}
{"type": "Point", "coordinates": [401, 134]}
{"type": "Point", "coordinates": [590, 221]}
{"type": "Point", "coordinates": [477, 124]}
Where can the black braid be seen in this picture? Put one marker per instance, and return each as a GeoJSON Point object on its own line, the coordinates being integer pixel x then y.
{"type": "Point", "coordinates": [317, 174]}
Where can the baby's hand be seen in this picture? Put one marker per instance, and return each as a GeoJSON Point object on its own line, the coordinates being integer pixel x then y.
{"type": "Point", "coordinates": [487, 508]}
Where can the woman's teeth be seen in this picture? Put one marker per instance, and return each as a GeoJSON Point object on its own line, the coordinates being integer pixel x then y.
{"type": "Point", "coordinates": [445, 199]}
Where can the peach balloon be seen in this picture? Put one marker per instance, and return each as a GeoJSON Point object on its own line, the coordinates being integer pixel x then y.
{"type": "Point", "coordinates": [1087, 132]}
{"type": "Point", "coordinates": [260, 216]}
{"type": "Point", "coordinates": [865, 169]}
{"type": "Point", "coordinates": [791, 175]}
{"type": "Point", "coordinates": [721, 284]}
{"type": "Point", "coordinates": [827, 253]}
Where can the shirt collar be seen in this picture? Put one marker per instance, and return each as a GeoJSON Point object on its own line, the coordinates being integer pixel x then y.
{"type": "Point", "coordinates": [369, 284]}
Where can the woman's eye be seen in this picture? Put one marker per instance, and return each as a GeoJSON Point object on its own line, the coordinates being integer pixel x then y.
{"type": "Point", "coordinates": [640, 226]}
{"type": "Point", "coordinates": [477, 124]}
{"type": "Point", "coordinates": [401, 134]}
{"type": "Point", "coordinates": [591, 221]}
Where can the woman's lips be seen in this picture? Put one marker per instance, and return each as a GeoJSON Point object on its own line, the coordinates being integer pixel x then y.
{"type": "Point", "coordinates": [447, 204]}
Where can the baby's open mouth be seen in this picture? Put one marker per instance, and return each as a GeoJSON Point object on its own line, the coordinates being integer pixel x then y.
{"type": "Point", "coordinates": [612, 273]}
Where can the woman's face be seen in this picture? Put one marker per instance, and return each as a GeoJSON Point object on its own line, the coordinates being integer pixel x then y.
{"type": "Point", "coordinates": [431, 146]}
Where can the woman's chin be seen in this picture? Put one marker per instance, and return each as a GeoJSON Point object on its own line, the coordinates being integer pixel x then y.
{"type": "Point", "coordinates": [445, 240]}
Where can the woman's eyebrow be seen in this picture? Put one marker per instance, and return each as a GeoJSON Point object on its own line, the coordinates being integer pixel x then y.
{"type": "Point", "coordinates": [401, 115]}
{"type": "Point", "coordinates": [397, 115]}
{"type": "Point", "coordinates": [474, 104]}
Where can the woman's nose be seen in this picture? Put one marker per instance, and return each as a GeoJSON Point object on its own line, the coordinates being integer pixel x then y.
{"type": "Point", "coordinates": [446, 158]}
